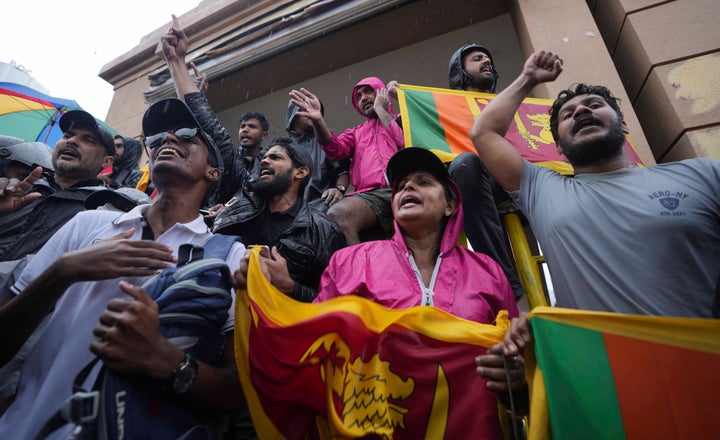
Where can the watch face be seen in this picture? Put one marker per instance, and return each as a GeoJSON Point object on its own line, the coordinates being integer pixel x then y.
{"type": "Point", "coordinates": [185, 376]}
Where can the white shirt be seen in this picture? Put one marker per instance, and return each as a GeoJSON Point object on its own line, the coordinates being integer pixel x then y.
{"type": "Point", "coordinates": [63, 349]}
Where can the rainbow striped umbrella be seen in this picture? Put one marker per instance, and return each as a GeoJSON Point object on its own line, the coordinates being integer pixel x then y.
{"type": "Point", "coordinates": [32, 115]}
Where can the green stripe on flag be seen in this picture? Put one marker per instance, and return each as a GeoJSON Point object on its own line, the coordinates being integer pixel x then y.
{"type": "Point", "coordinates": [424, 122]}
{"type": "Point", "coordinates": [581, 396]}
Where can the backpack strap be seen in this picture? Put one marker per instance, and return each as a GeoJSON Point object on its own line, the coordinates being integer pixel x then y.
{"type": "Point", "coordinates": [80, 409]}
{"type": "Point", "coordinates": [219, 245]}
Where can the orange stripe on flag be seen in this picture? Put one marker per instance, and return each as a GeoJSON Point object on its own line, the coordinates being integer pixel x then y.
{"type": "Point", "coordinates": [457, 119]}
{"type": "Point", "coordinates": [664, 391]}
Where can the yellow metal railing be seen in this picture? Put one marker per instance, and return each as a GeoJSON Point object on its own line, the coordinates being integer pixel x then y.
{"type": "Point", "coordinates": [526, 263]}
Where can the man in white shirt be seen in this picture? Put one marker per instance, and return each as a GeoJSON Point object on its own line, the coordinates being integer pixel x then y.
{"type": "Point", "coordinates": [87, 279]}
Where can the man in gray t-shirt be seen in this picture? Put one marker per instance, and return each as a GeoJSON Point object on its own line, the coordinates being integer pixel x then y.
{"type": "Point", "coordinates": [616, 238]}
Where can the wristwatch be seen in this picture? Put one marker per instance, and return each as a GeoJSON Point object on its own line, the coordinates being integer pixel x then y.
{"type": "Point", "coordinates": [183, 377]}
{"type": "Point", "coordinates": [341, 188]}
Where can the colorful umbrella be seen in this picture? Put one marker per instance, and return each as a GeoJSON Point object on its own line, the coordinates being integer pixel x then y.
{"type": "Point", "coordinates": [32, 115]}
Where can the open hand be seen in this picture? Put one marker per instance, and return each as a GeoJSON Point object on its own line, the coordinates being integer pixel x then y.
{"type": "Point", "coordinates": [309, 104]}
{"type": "Point", "coordinates": [13, 192]}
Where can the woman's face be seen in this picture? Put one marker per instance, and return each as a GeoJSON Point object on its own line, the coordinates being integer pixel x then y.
{"type": "Point", "coordinates": [420, 196]}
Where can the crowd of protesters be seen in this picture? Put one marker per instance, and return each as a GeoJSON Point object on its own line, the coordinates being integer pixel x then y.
{"type": "Point", "coordinates": [79, 235]}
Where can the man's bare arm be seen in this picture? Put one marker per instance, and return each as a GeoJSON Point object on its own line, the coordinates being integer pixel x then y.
{"type": "Point", "coordinates": [488, 132]}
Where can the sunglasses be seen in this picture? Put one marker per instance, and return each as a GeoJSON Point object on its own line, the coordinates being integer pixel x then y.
{"type": "Point", "coordinates": [184, 134]}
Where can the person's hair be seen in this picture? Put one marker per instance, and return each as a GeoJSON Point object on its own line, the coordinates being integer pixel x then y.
{"type": "Point", "coordinates": [581, 89]}
{"type": "Point", "coordinates": [119, 136]}
{"type": "Point", "coordinates": [289, 145]}
{"type": "Point", "coordinates": [255, 115]}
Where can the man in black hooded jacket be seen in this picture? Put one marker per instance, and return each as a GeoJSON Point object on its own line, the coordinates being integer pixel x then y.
{"type": "Point", "coordinates": [471, 68]}
{"type": "Point", "coordinates": [125, 170]}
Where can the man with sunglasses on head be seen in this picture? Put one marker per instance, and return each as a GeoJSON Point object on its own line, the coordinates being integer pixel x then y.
{"type": "Point", "coordinates": [33, 209]}
{"type": "Point", "coordinates": [88, 279]}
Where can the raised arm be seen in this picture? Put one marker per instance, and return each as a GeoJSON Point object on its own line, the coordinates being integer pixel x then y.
{"type": "Point", "coordinates": [310, 106]}
{"type": "Point", "coordinates": [488, 132]}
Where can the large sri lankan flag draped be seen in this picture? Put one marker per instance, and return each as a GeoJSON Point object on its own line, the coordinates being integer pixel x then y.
{"type": "Point", "coordinates": [361, 368]}
{"type": "Point", "coordinates": [440, 119]}
{"type": "Point", "coordinates": [612, 376]}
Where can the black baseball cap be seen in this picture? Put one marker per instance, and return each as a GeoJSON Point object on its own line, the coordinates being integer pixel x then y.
{"type": "Point", "coordinates": [172, 113]}
{"type": "Point", "coordinates": [413, 159]}
{"type": "Point", "coordinates": [84, 119]}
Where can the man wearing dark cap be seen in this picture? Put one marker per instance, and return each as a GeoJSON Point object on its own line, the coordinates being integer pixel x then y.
{"type": "Point", "coordinates": [33, 209]}
{"type": "Point", "coordinates": [87, 281]}
{"type": "Point", "coordinates": [472, 69]}
{"type": "Point", "coordinates": [272, 212]}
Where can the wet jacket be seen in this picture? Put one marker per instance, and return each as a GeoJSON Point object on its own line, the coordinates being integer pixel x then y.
{"type": "Point", "coordinates": [307, 244]}
{"type": "Point", "coordinates": [25, 231]}
{"type": "Point", "coordinates": [457, 76]}
{"type": "Point", "coordinates": [468, 284]}
{"type": "Point", "coordinates": [325, 171]}
{"type": "Point", "coordinates": [236, 171]}
{"type": "Point", "coordinates": [369, 145]}
{"type": "Point", "coordinates": [126, 172]}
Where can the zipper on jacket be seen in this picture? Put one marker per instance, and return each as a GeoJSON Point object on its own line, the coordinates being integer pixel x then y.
{"type": "Point", "coordinates": [428, 292]}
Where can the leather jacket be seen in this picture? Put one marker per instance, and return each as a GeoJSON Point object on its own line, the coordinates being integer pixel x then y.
{"type": "Point", "coordinates": [307, 244]}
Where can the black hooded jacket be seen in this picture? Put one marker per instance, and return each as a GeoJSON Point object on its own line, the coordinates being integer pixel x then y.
{"type": "Point", "coordinates": [126, 172]}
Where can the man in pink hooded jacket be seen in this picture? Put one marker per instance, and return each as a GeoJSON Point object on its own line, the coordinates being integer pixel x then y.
{"type": "Point", "coordinates": [370, 145]}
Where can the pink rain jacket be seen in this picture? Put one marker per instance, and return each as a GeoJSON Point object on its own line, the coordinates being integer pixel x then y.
{"type": "Point", "coordinates": [370, 145]}
{"type": "Point", "coordinates": [469, 284]}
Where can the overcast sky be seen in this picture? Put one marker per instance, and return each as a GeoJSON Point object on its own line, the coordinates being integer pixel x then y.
{"type": "Point", "coordinates": [65, 43]}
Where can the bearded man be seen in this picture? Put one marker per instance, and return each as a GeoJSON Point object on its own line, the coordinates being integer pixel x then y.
{"type": "Point", "coordinates": [51, 199]}
{"type": "Point", "coordinates": [271, 211]}
{"type": "Point", "coordinates": [617, 238]}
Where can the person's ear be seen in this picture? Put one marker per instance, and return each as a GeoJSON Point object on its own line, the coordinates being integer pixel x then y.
{"type": "Point", "coordinates": [451, 207]}
{"type": "Point", "coordinates": [559, 149]}
{"type": "Point", "coordinates": [107, 161]}
{"type": "Point", "coordinates": [625, 128]}
{"type": "Point", "coordinates": [212, 174]}
{"type": "Point", "coordinates": [301, 172]}
{"type": "Point", "coordinates": [264, 135]}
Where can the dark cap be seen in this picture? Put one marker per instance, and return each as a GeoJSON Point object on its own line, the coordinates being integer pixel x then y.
{"type": "Point", "coordinates": [123, 199]}
{"type": "Point", "coordinates": [413, 159]}
{"type": "Point", "coordinates": [84, 119]}
{"type": "Point", "coordinates": [172, 113]}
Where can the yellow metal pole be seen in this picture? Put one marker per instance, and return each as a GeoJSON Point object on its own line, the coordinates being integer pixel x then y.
{"type": "Point", "coordinates": [526, 262]}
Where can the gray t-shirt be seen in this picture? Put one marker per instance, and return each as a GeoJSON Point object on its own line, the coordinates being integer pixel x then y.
{"type": "Point", "coordinates": [636, 240]}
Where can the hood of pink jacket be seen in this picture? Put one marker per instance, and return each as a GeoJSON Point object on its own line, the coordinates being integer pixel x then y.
{"type": "Point", "coordinates": [372, 81]}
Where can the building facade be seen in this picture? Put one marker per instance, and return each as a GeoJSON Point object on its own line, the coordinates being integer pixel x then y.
{"type": "Point", "coordinates": [649, 53]}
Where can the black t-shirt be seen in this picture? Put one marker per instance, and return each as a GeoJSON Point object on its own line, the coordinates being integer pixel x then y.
{"type": "Point", "coordinates": [267, 227]}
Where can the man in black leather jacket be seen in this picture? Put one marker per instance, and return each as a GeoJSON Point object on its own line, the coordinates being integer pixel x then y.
{"type": "Point", "coordinates": [271, 211]}
{"type": "Point", "coordinates": [304, 246]}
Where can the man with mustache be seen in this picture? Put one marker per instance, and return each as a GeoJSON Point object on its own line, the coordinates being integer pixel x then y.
{"type": "Point", "coordinates": [30, 217]}
{"type": "Point", "coordinates": [271, 211]}
{"type": "Point", "coordinates": [471, 68]}
{"type": "Point", "coordinates": [617, 238]}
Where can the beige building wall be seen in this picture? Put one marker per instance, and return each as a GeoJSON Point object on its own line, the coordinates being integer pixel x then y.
{"type": "Point", "coordinates": [668, 56]}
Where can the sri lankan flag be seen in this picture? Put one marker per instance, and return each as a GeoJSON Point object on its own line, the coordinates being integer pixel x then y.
{"type": "Point", "coordinates": [601, 375]}
{"type": "Point", "coordinates": [355, 368]}
{"type": "Point", "coordinates": [440, 119]}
